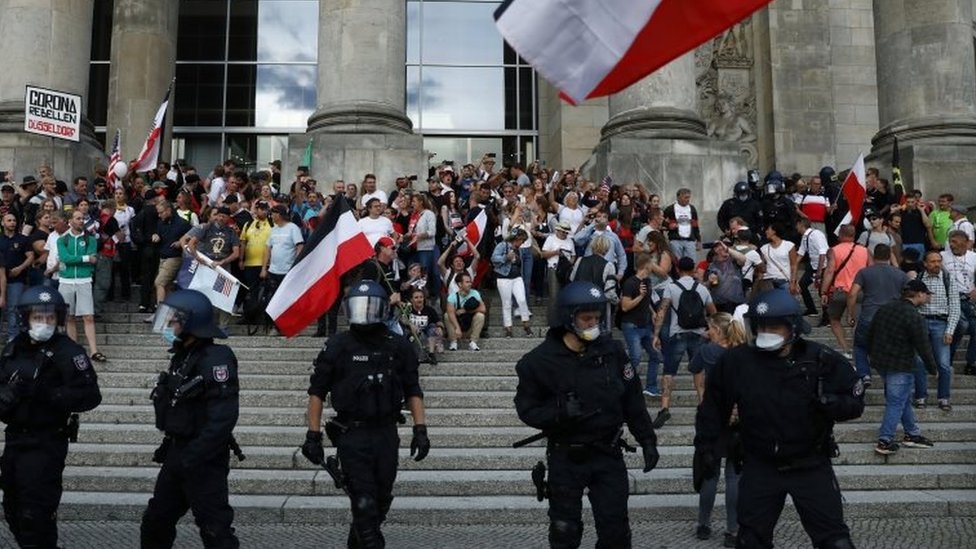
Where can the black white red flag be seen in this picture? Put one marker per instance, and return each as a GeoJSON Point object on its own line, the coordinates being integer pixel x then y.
{"type": "Point", "coordinates": [149, 156]}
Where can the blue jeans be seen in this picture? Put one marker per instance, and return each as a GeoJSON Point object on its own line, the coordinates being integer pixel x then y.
{"type": "Point", "coordinates": [966, 326]}
{"type": "Point", "coordinates": [685, 248]}
{"type": "Point", "coordinates": [528, 260]}
{"type": "Point", "coordinates": [861, 363]}
{"type": "Point", "coordinates": [920, 248]}
{"type": "Point", "coordinates": [14, 291]}
{"type": "Point", "coordinates": [898, 405]}
{"type": "Point", "coordinates": [941, 351]}
{"type": "Point", "coordinates": [680, 344]}
{"type": "Point", "coordinates": [640, 339]}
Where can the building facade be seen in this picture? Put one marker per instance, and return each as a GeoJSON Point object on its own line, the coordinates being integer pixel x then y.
{"type": "Point", "coordinates": [390, 86]}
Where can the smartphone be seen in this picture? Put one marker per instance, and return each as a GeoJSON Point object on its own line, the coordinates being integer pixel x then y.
{"type": "Point", "coordinates": [412, 177]}
{"type": "Point", "coordinates": [490, 155]}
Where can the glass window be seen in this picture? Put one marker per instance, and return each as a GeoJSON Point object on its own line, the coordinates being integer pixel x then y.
{"type": "Point", "coordinates": [460, 33]}
{"type": "Point", "coordinates": [243, 41]}
{"type": "Point", "coordinates": [288, 30]}
{"type": "Point", "coordinates": [468, 98]}
{"type": "Point", "coordinates": [101, 46]}
{"type": "Point", "coordinates": [461, 150]}
{"type": "Point", "coordinates": [201, 150]}
{"type": "Point", "coordinates": [413, 32]}
{"type": "Point", "coordinates": [202, 30]}
{"type": "Point", "coordinates": [413, 95]}
{"type": "Point", "coordinates": [243, 148]}
{"type": "Point", "coordinates": [280, 96]}
{"type": "Point", "coordinates": [98, 94]}
{"type": "Point", "coordinates": [199, 95]}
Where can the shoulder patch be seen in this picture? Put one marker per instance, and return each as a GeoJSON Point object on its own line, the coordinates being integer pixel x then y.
{"type": "Point", "coordinates": [221, 373]}
{"type": "Point", "coordinates": [628, 372]}
{"type": "Point", "coordinates": [81, 362]}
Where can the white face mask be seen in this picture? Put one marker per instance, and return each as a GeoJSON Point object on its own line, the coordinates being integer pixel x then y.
{"type": "Point", "coordinates": [770, 341]}
{"type": "Point", "coordinates": [589, 334]}
{"type": "Point", "coordinates": [41, 331]}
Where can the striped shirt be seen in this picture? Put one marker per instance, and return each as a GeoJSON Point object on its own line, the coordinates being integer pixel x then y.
{"type": "Point", "coordinates": [945, 298]}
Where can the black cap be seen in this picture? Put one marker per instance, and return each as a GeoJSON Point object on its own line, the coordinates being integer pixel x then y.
{"type": "Point", "coordinates": [28, 180]}
{"type": "Point", "coordinates": [916, 286]}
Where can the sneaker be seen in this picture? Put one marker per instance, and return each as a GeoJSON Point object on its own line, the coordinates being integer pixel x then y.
{"type": "Point", "coordinates": [663, 416]}
{"type": "Point", "coordinates": [919, 403]}
{"type": "Point", "coordinates": [729, 540]}
{"type": "Point", "coordinates": [703, 532]}
{"type": "Point", "coordinates": [811, 312]}
{"type": "Point", "coordinates": [528, 331]}
{"type": "Point", "coordinates": [653, 393]}
{"type": "Point", "coordinates": [944, 405]}
{"type": "Point", "coordinates": [452, 346]}
{"type": "Point", "coordinates": [916, 441]}
{"type": "Point", "coordinates": [474, 346]}
{"type": "Point", "coordinates": [848, 355]}
{"type": "Point", "coordinates": [886, 447]}
{"type": "Point", "coordinates": [970, 370]}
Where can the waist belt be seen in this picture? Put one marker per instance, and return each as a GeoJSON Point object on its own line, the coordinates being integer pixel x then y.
{"type": "Point", "coordinates": [936, 317]}
{"type": "Point", "coordinates": [33, 430]}
{"type": "Point", "coordinates": [377, 422]}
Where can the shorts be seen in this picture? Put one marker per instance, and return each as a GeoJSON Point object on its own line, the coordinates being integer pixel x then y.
{"type": "Point", "coordinates": [168, 268]}
{"type": "Point", "coordinates": [78, 297]}
{"type": "Point", "coordinates": [838, 304]}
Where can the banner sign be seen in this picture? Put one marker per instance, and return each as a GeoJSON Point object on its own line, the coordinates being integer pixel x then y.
{"type": "Point", "coordinates": [52, 113]}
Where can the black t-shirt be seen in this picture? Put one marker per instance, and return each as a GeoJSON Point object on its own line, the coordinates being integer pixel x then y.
{"type": "Point", "coordinates": [640, 315]}
{"type": "Point", "coordinates": [37, 234]}
{"type": "Point", "coordinates": [913, 229]}
{"type": "Point", "coordinates": [424, 317]}
{"type": "Point", "coordinates": [14, 250]}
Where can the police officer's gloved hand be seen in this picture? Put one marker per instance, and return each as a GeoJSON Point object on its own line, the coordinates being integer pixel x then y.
{"type": "Point", "coordinates": [420, 444]}
{"type": "Point", "coordinates": [704, 466]}
{"type": "Point", "coordinates": [312, 449]}
{"type": "Point", "coordinates": [651, 455]}
{"type": "Point", "coordinates": [8, 398]}
{"type": "Point", "coordinates": [571, 408]}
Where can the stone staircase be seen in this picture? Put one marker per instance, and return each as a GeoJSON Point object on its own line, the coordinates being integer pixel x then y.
{"type": "Point", "coordinates": [472, 475]}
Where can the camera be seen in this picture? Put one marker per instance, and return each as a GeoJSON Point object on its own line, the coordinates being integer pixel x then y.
{"type": "Point", "coordinates": [412, 177]}
{"type": "Point", "coordinates": [490, 155]}
{"type": "Point", "coordinates": [459, 239]}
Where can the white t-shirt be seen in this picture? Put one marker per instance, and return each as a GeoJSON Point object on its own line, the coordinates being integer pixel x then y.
{"type": "Point", "coordinates": [378, 193]}
{"type": "Point", "coordinates": [962, 267]}
{"type": "Point", "coordinates": [51, 245]}
{"type": "Point", "coordinates": [124, 216]}
{"type": "Point", "coordinates": [777, 261]}
{"type": "Point", "coordinates": [216, 190]}
{"type": "Point", "coordinates": [573, 217]}
{"type": "Point", "coordinates": [752, 260]}
{"type": "Point", "coordinates": [374, 229]}
{"type": "Point", "coordinates": [682, 214]}
{"type": "Point", "coordinates": [553, 242]}
{"type": "Point", "coordinates": [814, 242]}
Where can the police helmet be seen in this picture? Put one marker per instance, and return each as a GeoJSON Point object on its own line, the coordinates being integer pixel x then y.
{"type": "Point", "coordinates": [741, 190]}
{"type": "Point", "coordinates": [773, 175]}
{"type": "Point", "coordinates": [777, 306]}
{"type": "Point", "coordinates": [577, 297]}
{"type": "Point", "coordinates": [366, 303]}
{"type": "Point", "coordinates": [40, 299]}
{"type": "Point", "coordinates": [828, 175]}
{"type": "Point", "coordinates": [775, 187]}
{"type": "Point", "coordinates": [192, 310]}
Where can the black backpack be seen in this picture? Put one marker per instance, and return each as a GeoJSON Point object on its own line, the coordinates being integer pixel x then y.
{"type": "Point", "coordinates": [564, 269]}
{"type": "Point", "coordinates": [691, 308]}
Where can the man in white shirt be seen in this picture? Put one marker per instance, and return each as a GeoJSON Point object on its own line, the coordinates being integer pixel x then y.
{"type": "Point", "coordinates": [370, 191]}
{"type": "Point", "coordinates": [960, 223]}
{"type": "Point", "coordinates": [375, 225]}
{"type": "Point", "coordinates": [217, 185]}
{"type": "Point", "coordinates": [813, 247]}
{"type": "Point", "coordinates": [960, 261]}
{"type": "Point", "coordinates": [558, 244]}
{"type": "Point", "coordinates": [53, 264]}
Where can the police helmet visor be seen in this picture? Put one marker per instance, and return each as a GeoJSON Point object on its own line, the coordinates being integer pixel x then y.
{"type": "Point", "coordinates": [772, 188]}
{"type": "Point", "coordinates": [366, 309]}
{"type": "Point", "coordinates": [47, 313]}
{"type": "Point", "coordinates": [585, 318]}
{"type": "Point", "coordinates": [167, 316]}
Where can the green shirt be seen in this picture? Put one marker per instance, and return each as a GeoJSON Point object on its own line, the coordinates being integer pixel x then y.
{"type": "Point", "coordinates": [941, 223]}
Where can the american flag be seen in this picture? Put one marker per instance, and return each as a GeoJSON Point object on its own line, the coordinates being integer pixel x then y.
{"type": "Point", "coordinates": [223, 285]}
{"type": "Point", "coordinates": [114, 159]}
{"type": "Point", "coordinates": [607, 181]}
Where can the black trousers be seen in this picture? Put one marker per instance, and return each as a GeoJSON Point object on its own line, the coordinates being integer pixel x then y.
{"type": "Point", "coordinates": [605, 475]}
{"type": "Point", "coordinates": [762, 492]}
{"type": "Point", "coordinates": [805, 282]}
{"type": "Point", "coordinates": [203, 490]}
{"type": "Point", "coordinates": [148, 269]}
{"type": "Point", "coordinates": [30, 474]}
{"type": "Point", "coordinates": [369, 456]}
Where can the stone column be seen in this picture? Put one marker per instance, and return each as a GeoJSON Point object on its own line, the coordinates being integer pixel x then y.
{"type": "Point", "coordinates": [45, 43]}
{"type": "Point", "coordinates": [143, 64]}
{"type": "Point", "coordinates": [663, 104]}
{"type": "Point", "coordinates": [361, 67]}
{"type": "Point", "coordinates": [926, 74]}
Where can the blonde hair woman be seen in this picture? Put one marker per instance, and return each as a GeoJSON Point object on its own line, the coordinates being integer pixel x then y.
{"type": "Point", "coordinates": [724, 332]}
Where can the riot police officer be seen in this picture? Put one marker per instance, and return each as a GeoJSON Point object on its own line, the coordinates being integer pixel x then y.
{"type": "Point", "coordinates": [579, 388]}
{"type": "Point", "coordinates": [755, 184]}
{"type": "Point", "coordinates": [778, 208]}
{"type": "Point", "coordinates": [370, 373]}
{"type": "Point", "coordinates": [45, 380]}
{"type": "Point", "coordinates": [789, 392]}
{"type": "Point", "coordinates": [743, 205]}
{"type": "Point", "coordinates": [196, 405]}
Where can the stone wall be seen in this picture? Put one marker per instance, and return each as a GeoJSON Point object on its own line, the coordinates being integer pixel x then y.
{"type": "Point", "coordinates": [567, 134]}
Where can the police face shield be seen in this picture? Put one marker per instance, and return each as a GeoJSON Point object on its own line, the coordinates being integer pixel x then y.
{"type": "Point", "coordinates": [363, 309]}
{"type": "Point", "coordinates": [42, 314]}
{"type": "Point", "coordinates": [168, 322]}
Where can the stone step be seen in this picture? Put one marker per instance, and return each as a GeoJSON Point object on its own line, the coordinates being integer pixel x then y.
{"type": "Point", "coordinates": [481, 437]}
{"type": "Point", "coordinates": [452, 510]}
{"type": "Point", "coordinates": [258, 397]}
{"type": "Point", "coordinates": [498, 483]}
{"type": "Point", "coordinates": [266, 457]}
{"type": "Point", "coordinates": [476, 417]}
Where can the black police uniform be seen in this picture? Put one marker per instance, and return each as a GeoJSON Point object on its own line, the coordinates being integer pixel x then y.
{"type": "Point", "coordinates": [47, 383]}
{"type": "Point", "coordinates": [749, 210]}
{"type": "Point", "coordinates": [370, 373]}
{"type": "Point", "coordinates": [584, 454]}
{"type": "Point", "coordinates": [787, 408]}
{"type": "Point", "coordinates": [196, 404]}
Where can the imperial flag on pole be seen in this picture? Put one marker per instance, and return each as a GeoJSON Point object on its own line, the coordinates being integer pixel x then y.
{"type": "Point", "coordinates": [149, 155]}
{"type": "Point", "coordinates": [590, 48]}
{"type": "Point", "coordinates": [313, 283]}
{"type": "Point", "coordinates": [854, 191]}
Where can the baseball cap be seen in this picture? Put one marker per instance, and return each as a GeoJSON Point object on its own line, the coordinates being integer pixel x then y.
{"type": "Point", "coordinates": [447, 169]}
{"type": "Point", "coordinates": [917, 286]}
{"type": "Point", "coordinates": [959, 208]}
{"type": "Point", "coordinates": [386, 241]}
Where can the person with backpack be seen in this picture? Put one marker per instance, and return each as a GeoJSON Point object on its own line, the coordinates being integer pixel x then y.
{"type": "Point", "coordinates": [941, 316]}
{"type": "Point", "coordinates": [596, 270]}
{"type": "Point", "coordinates": [690, 305]}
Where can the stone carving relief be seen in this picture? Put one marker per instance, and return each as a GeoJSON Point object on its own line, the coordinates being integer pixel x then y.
{"type": "Point", "coordinates": [726, 88]}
